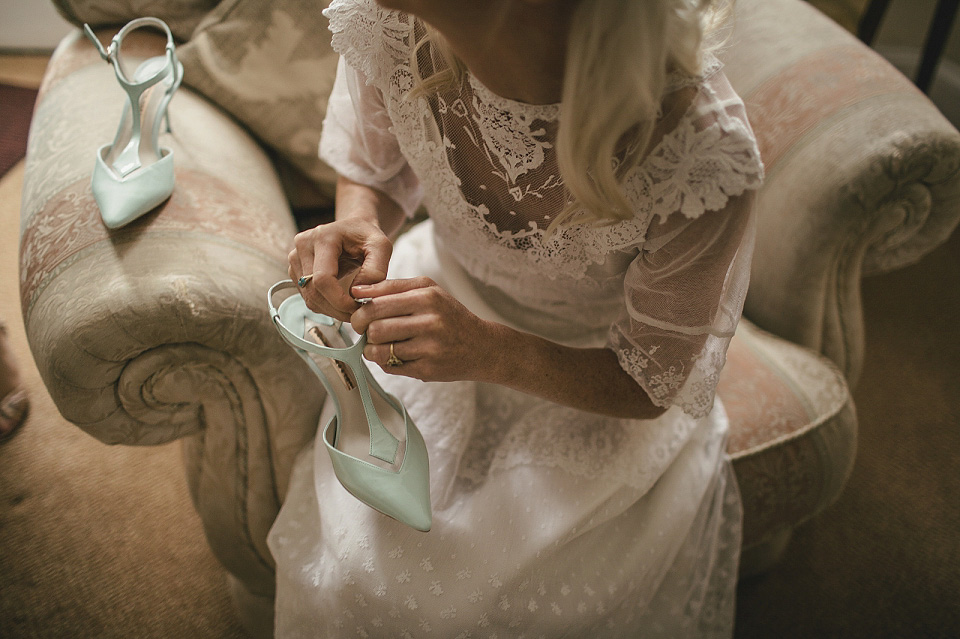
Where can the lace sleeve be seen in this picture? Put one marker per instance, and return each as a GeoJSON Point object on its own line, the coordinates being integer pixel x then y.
{"type": "Point", "coordinates": [358, 143]}
{"type": "Point", "coordinates": [357, 139]}
{"type": "Point", "coordinates": [709, 156]}
{"type": "Point", "coordinates": [684, 292]}
{"type": "Point", "coordinates": [683, 298]}
{"type": "Point", "coordinates": [373, 40]}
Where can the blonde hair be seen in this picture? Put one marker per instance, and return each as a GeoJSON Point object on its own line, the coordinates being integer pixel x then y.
{"type": "Point", "coordinates": [609, 107]}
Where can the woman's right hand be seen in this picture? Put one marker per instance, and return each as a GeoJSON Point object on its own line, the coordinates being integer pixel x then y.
{"type": "Point", "coordinates": [339, 255]}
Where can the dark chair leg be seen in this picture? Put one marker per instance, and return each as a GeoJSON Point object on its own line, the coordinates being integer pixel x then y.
{"type": "Point", "coordinates": [871, 19]}
{"type": "Point", "coordinates": [936, 41]}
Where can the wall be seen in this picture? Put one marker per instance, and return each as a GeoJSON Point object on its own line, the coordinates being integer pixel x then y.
{"type": "Point", "coordinates": [901, 38]}
{"type": "Point", "coordinates": [30, 25]}
{"type": "Point", "coordinates": [906, 24]}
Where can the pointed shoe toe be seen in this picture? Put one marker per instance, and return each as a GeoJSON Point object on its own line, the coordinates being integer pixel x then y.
{"type": "Point", "coordinates": [122, 200]}
{"type": "Point", "coordinates": [403, 495]}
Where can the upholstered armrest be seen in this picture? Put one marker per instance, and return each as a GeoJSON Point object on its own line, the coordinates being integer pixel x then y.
{"type": "Point", "coordinates": [160, 330]}
{"type": "Point", "coordinates": [863, 172]}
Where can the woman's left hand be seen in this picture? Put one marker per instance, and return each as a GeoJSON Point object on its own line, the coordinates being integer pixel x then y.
{"type": "Point", "coordinates": [434, 335]}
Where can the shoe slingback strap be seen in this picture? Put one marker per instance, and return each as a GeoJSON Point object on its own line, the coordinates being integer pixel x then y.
{"type": "Point", "coordinates": [111, 53]}
{"type": "Point", "coordinates": [383, 445]}
{"type": "Point", "coordinates": [136, 89]}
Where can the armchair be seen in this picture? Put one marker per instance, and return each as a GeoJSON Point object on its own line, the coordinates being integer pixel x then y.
{"type": "Point", "coordinates": [159, 331]}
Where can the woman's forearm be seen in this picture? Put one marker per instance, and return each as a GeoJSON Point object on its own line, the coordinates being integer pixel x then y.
{"type": "Point", "coordinates": [355, 200]}
{"type": "Point", "coordinates": [588, 379]}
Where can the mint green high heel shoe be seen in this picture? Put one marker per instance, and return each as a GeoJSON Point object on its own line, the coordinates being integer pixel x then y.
{"type": "Point", "coordinates": [134, 174]}
{"type": "Point", "coordinates": [377, 452]}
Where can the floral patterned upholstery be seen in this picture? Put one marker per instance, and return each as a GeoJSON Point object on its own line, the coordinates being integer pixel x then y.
{"type": "Point", "coordinates": [159, 331]}
{"type": "Point", "coordinates": [272, 69]}
{"type": "Point", "coordinates": [792, 430]}
{"type": "Point", "coordinates": [182, 16]}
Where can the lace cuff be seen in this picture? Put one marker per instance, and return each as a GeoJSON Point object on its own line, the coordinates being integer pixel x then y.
{"type": "Point", "coordinates": [672, 382]}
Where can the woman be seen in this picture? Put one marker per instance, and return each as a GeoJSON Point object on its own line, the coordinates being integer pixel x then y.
{"type": "Point", "coordinates": [589, 177]}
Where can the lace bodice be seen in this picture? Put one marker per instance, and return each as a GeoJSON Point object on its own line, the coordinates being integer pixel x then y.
{"type": "Point", "coordinates": [664, 288]}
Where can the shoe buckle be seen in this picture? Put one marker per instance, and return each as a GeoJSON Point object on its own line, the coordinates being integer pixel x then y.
{"type": "Point", "coordinates": [107, 54]}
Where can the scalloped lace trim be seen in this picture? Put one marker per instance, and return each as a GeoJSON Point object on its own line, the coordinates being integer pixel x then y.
{"type": "Point", "coordinates": [693, 392]}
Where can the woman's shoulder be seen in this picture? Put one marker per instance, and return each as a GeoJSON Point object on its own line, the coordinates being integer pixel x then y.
{"type": "Point", "coordinates": [705, 151]}
{"type": "Point", "coordinates": [710, 66]}
{"type": "Point", "coordinates": [373, 40]}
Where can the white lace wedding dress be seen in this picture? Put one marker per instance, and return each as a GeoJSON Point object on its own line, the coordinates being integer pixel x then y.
{"type": "Point", "coordinates": [548, 521]}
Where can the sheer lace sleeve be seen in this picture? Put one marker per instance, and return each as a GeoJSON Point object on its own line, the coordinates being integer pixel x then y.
{"type": "Point", "coordinates": [684, 292]}
{"type": "Point", "coordinates": [358, 140]}
{"type": "Point", "coordinates": [682, 303]}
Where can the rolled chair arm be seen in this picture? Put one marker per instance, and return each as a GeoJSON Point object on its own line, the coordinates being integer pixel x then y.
{"type": "Point", "coordinates": [160, 330]}
{"type": "Point", "coordinates": [863, 172]}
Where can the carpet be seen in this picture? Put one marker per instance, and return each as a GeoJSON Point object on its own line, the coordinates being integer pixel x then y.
{"type": "Point", "coordinates": [16, 107]}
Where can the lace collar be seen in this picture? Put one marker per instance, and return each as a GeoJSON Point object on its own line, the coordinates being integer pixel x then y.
{"type": "Point", "coordinates": [551, 112]}
{"type": "Point", "coordinates": [525, 110]}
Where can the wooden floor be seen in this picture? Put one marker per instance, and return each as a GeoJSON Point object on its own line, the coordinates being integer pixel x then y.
{"type": "Point", "coordinates": [22, 70]}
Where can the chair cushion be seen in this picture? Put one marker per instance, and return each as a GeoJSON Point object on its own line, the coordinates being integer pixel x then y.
{"type": "Point", "coordinates": [270, 65]}
{"type": "Point", "coordinates": [792, 430]}
{"type": "Point", "coordinates": [182, 16]}
{"type": "Point", "coordinates": [775, 391]}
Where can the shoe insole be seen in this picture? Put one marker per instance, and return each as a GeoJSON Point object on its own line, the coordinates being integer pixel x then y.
{"type": "Point", "coordinates": [353, 434]}
{"type": "Point", "coordinates": [119, 157]}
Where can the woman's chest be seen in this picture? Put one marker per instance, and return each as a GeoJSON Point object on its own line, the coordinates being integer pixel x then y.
{"type": "Point", "coordinates": [491, 184]}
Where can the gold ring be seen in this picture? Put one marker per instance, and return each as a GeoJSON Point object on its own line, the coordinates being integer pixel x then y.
{"type": "Point", "coordinates": [394, 360]}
